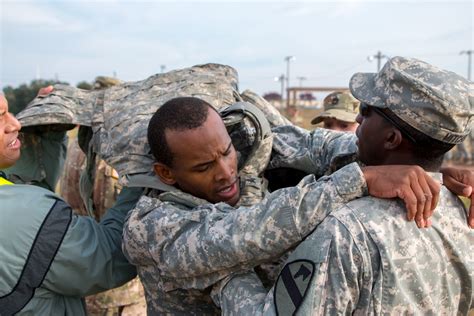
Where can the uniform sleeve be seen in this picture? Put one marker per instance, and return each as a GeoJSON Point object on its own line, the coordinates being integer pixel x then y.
{"type": "Point", "coordinates": [325, 275]}
{"type": "Point", "coordinates": [184, 244]}
{"type": "Point", "coordinates": [318, 152]}
{"type": "Point", "coordinates": [90, 259]}
{"type": "Point", "coordinates": [247, 298]}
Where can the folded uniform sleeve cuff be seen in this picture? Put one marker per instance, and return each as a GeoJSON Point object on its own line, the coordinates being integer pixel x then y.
{"type": "Point", "coordinates": [350, 182]}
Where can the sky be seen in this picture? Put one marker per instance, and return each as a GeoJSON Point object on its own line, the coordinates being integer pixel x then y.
{"type": "Point", "coordinates": [77, 40]}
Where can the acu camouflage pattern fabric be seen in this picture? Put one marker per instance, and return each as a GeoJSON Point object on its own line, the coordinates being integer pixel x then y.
{"type": "Point", "coordinates": [368, 260]}
{"type": "Point", "coordinates": [119, 115]}
{"type": "Point", "coordinates": [420, 94]}
{"type": "Point", "coordinates": [182, 245]}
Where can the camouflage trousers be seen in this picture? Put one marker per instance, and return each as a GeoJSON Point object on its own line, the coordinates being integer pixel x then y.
{"type": "Point", "coordinates": [127, 300]}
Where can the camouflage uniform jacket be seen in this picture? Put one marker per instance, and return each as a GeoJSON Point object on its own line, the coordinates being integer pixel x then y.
{"type": "Point", "coordinates": [366, 259]}
{"type": "Point", "coordinates": [182, 245]}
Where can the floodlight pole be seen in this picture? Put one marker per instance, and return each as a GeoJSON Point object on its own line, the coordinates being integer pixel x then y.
{"type": "Point", "coordinates": [288, 59]}
{"type": "Point", "coordinates": [469, 61]}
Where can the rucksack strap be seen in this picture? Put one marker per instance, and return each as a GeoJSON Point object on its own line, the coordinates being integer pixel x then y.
{"type": "Point", "coordinates": [237, 112]}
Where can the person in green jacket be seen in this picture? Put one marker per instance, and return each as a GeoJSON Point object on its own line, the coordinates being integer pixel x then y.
{"type": "Point", "coordinates": [51, 258]}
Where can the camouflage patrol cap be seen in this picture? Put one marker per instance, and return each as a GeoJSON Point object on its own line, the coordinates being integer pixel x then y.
{"type": "Point", "coordinates": [436, 102]}
{"type": "Point", "coordinates": [102, 82]}
{"type": "Point", "coordinates": [339, 105]}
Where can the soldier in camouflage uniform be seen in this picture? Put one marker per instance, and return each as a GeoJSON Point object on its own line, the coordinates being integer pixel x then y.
{"type": "Point", "coordinates": [340, 112]}
{"type": "Point", "coordinates": [188, 233]}
{"type": "Point", "coordinates": [119, 116]}
{"type": "Point", "coordinates": [365, 258]}
{"type": "Point", "coordinates": [128, 299]}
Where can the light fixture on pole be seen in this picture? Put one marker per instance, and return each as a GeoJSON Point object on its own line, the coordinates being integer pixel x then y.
{"type": "Point", "coordinates": [288, 59]}
{"type": "Point", "coordinates": [281, 78]}
{"type": "Point", "coordinates": [469, 60]}
{"type": "Point", "coordinates": [379, 57]}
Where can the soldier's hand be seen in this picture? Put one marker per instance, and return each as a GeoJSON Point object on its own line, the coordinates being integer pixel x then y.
{"type": "Point", "coordinates": [45, 91]}
{"type": "Point", "coordinates": [412, 184]}
{"type": "Point", "coordinates": [461, 182]}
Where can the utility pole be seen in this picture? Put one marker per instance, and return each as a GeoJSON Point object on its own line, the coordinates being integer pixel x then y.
{"type": "Point", "coordinates": [379, 57]}
{"type": "Point", "coordinates": [469, 61]}
{"type": "Point", "coordinates": [301, 80]}
{"type": "Point", "coordinates": [288, 59]}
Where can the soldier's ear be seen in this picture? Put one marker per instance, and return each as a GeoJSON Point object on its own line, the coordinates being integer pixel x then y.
{"type": "Point", "coordinates": [393, 139]}
{"type": "Point", "coordinates": [164, 173]}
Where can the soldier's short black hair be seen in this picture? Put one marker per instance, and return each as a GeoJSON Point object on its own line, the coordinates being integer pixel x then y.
{"type": "Point", "coordinates": [178, 114]}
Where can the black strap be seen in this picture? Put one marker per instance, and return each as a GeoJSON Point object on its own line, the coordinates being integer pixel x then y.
{"type": "Point", "coordinates": [41, 256]}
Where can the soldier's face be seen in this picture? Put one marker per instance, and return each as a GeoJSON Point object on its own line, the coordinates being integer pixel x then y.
{"type": "Point", "coordinates": [338, 125]}
{"type": "Point", "coordinates": [9, 142]}
{"type": "Point", "coordinates": [371, 136]}
{"type": "Point", "coordinates": [205, 162]}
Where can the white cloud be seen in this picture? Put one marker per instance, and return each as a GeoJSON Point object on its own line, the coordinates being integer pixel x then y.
{"type": "Point", "coordinates": [35, 14]}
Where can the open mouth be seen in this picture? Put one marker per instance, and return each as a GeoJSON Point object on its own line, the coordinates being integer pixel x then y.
{"type": "Point", "coordinates": [228, 192]}
{"type": "Point", "coordinates": [14, 144]}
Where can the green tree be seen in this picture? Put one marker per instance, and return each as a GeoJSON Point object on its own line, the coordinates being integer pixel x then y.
{"type": "Point", "coordinates": [84, 85]}
{"type": "Point", "coordinates": [18, 98]}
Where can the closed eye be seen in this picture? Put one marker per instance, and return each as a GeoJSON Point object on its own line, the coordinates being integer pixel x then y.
{"type": "Point", "coordinates": [202, 168]}
{"type": "Point", "coordinates": [228, 150]}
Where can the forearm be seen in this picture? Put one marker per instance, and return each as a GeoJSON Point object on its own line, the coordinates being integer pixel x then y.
{"type": "Point", "coordinates": [314, 152]}
{"type": "Point", "coordinates": [226, 238]}
{"type": "Point", "coordinates": [89, 259]}
{"type": "Point", "coordinates": [242, 294]}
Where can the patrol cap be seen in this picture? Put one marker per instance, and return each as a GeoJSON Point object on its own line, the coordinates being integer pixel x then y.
{"type": "Point", "coordinates": [102, 82]}
{"type": "Point", "coordinates": [436, 102]}
{"type": "Point", "coordinates": [339, 105]}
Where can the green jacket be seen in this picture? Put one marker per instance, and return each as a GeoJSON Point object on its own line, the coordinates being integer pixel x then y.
{"type": "Point", "coordinates": [42, 159]}
{"type": "Point", "coordinates": [51, 257]}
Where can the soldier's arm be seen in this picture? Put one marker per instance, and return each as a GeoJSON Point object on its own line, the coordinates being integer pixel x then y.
{"type": "Point", "coordinates": [461, 182]}
{"type": "Point", "coordinates": [324, 275]}
{"type": "Point", "coordinates": [90, 259]}
{"type": "Point", "coordinates": [186, 244]}
{"type": "Point", "coordinates": [321, 151]}
{"type": "Point", "coordinates": [315, 152]}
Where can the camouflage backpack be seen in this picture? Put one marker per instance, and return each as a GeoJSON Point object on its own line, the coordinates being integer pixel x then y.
{"type": "Point", "coordinates": [118, 116]}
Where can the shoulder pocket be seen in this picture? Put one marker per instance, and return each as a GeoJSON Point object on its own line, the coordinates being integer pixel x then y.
{"type": "Point", "coordinates": [306, 266]}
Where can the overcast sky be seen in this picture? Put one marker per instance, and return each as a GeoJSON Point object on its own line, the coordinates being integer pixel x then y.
{"type": "Point", "coordinates": [331, 40]}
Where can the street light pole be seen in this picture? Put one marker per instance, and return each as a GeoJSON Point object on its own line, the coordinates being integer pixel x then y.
{"type": "Point", "coordinates": [469, 60]}
{"type": "Point", "coordinates": [288, 59]}
{"type": "Point", "coordinates": [281, 78]}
